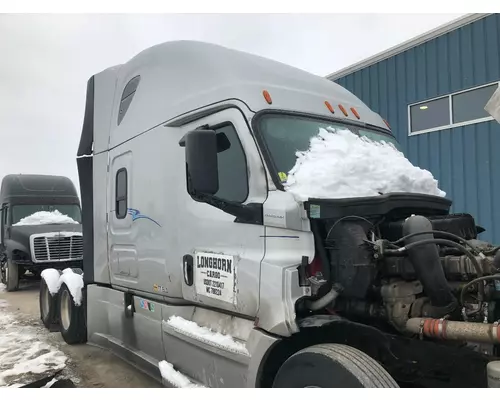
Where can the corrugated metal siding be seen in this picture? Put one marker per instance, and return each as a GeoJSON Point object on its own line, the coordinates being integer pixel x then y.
{"type": "Point", "coordinates": [465, 160]}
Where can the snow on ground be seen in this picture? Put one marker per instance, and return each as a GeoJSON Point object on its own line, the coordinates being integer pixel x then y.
{"type": "Point", "coordinates": [46, 217]}
{"type": "Point", "coordinates": [2, 287]}
{"type": "Point", "coordinates": [191, 328]}
{"type": "Point", "coordinates": [23, 353]}
{"type": "Point", "coordinates": [73, 281]}
{"type": "Point", "coordinates": [50, 383]}
{"type": "Point", "coordinates": [341, 164]}
{"type": "Point", "coordinates": [174, 377]}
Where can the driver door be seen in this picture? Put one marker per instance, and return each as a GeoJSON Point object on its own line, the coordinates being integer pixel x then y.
{"type": "Point", "coordinates": [226, 255]}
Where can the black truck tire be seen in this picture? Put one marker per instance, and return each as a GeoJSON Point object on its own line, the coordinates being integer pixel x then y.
{"type": "Point", "coordinates": [48, 307]}
{"type": "Point", "coordinates": [332, 365]}
{"type": "Point", "coordinates": [71, 318]}
{"type": "Point", "coordinates": [11, 276]}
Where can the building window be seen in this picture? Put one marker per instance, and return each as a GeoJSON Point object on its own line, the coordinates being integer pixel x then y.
{"type": "Point", "coordinates": [121, 194]}
{"type": "Point", "coordinates": [469, 106]}
{"type": "Point", "coordinates": [232, 165]}
{"type": "Point", "coordinates": [456, 109]}
{"type": "Point", "coordinates": [127, 96]}
{"type": "Point", "coordinates": [430, 115]}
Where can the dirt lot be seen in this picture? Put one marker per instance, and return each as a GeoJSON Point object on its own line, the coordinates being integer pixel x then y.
{"type": "Point", "coordinates": [86, 366]}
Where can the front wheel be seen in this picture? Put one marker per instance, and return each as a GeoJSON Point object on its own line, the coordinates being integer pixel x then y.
{"type": "Point", "coordinates": [332, 365]}
{"type": "Point", "coordinates": [11, 273]}
{"type": "Point", "coordinates": [3, 276]}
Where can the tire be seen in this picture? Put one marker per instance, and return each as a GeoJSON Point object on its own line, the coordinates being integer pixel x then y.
{"type": "Point", "coordinates": [48, 307]}
{"type": "Point", "coordinates": [332, 366]}
{"type": "Point", "coordinates": [2, 273]}
{"type": "Point", "coordinates": [71, 318]}
{"type": "Point", "coordinates": [12, 276]}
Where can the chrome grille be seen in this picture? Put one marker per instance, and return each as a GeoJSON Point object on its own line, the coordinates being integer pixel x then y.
{"type": "Point", "coordinates": [58, 248]}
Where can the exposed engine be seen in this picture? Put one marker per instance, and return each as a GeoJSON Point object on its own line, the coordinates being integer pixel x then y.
{"type": "Point", "coordinates": [404, 261]}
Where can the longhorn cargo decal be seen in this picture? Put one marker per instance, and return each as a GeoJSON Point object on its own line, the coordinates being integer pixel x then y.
{"type": "Point", "coordinates": [215, 276]}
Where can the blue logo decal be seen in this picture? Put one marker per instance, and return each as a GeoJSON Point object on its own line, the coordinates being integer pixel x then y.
{"type": "Point", "coordinates": [136, 214]}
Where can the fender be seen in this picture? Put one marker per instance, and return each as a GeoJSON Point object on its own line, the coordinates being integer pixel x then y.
{"type": "Point", "coordinates": [13, 248]}
{"type": "Point", "coordinates": [316, 329]}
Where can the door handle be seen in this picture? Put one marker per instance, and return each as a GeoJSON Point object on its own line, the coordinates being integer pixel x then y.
{"type": "Point", "coordinates": [187, 263]}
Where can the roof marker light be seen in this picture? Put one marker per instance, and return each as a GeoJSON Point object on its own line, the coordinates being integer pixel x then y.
{"type": "Point", "coordinates": [267, 96]}
{"type": "Point", "coordinates": [355, 113]}
{"type": "Point", "coordinates": [387, 123]}
{"type": "Point", "coordinates": [329, 106]}
{"type": "Point", "coordinates": [343, 110]}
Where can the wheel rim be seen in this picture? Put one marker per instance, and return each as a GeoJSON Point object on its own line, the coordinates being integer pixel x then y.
{"type": "Point", "coordinates": [65, 310]}
{"type": "Point", "coordinates": [45, 301]}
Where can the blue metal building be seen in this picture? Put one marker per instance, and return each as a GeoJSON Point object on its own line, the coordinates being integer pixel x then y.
{"type": "Point", "coordinates": [432, 90]}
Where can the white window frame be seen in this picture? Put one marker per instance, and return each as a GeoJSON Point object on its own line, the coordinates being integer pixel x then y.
{"type": "Point", "coordinates": [450, 108]}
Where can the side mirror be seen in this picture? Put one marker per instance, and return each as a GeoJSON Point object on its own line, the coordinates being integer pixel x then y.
{"type": "Point", "coordinates": [201, 159]}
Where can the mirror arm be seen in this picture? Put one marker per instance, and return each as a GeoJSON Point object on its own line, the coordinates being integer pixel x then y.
{"type": "Point", "coordinates": [245, 213]}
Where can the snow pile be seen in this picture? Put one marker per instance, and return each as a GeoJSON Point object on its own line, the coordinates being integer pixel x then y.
{"type": "Point", "coordinates": [54, 279]}
{"type": "Point", "coordinates": [201, 333]}
{"type": "Point", "coordinates": [22, 353]}
{"type": "Point", "coordinates": [174, 377]}
{"type": "Point", "coordinates": [341, 164]}
{"type": "Point", "coordinates": [46, 217]}
{"type": "Point", "coordinates": [2, 287]}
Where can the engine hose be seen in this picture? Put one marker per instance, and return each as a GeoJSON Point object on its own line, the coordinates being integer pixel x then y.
{"type": "Point", "coordinates": [491, 251]}
{"type": "Point", "coordinates": [324, 301]}
{"type": "Point", "coordinates": [477, 266]}
{"type": "Point", "coordinates": [441, 233]}
{"type": "Point", "coordinates": [472, 282]}
{"type": "Point", "coordinates": [455, 330]}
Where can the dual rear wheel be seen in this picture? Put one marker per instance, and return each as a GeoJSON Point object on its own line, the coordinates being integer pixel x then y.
{"type": "Point", "coordinates": [59, 312]}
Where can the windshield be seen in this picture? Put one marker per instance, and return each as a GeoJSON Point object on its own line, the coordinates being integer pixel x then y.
{"type": "Point", "coordinates": [284, 135]}
{"type": "Point", "coordinates": [25, 210]}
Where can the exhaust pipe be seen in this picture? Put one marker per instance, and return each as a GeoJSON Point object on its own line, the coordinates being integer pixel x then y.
{"type": "Point", "coordinates": [455, 330]}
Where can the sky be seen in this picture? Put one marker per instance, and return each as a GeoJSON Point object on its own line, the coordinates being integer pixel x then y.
{"type": "Point", "coordinates": [46, 60]}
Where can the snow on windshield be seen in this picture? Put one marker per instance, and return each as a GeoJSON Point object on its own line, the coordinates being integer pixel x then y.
{"type": "Point", "coordinates": [46, 217]}
{"type": "Point", "coordinates": [341, 164]}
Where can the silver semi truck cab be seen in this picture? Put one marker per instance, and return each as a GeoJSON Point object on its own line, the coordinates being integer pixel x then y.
{"type": "Point", "coordinates": [198, 261]}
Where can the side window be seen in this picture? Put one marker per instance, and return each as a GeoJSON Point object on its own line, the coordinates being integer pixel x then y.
{"type": "Point", "coordinates": [5, 213]}
{"type": "Point", "coordinates": [233, 178]}
{"type": "Point", "coordinates": [127, 96]}
{"type": "Point", "coordinates": [121, 194]}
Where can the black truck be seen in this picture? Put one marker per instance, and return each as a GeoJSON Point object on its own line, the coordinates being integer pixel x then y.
{"type": "Point", "coordinates": [31, 246]}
